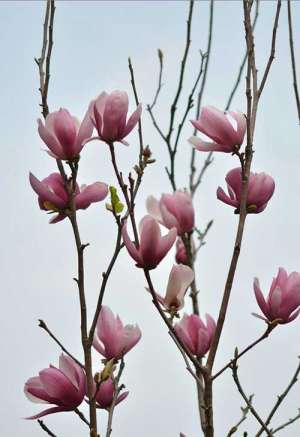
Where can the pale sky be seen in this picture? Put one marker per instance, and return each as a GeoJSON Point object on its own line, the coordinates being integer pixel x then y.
{"type": "Point", "coordinates": [92, 43]}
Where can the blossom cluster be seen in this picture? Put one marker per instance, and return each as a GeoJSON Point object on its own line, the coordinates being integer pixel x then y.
{"type": "Point", "coordinates": [65, 387]}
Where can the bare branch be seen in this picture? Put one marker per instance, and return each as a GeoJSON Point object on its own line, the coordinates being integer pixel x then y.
{"type": "Point", "coordinates": [293, 61]}
{"type": "Point", "coordinates": [182, 70]}
{"type": "Point", "coordinates": [105, 276]}
{"type": "Point", "coordinates": [241, 69]}
{"type": "Point", "coordinates": [137, 103]}
{"type": "Point", "coordinates": [46, 429]}
{"type": "Point", "coordinates": [117, 391]}
{"type": "Point", "coordinates": [289, 422]}
{"type": "Point", "coordinates": [281, 398]}
{"type": "Point", "coordinates": [245, 411]}
{"type": "Point", "coordinates": [247, 349]}
{"type": "Point", "coordinates": [43, 325]}
{"type": "Point", "coordinates": [247, 399]}
{"type": "Point", "coordinates": [159, 86]}
{"type": "Point", "coordinates": [273, 46]}
{"type": "Point", "coordinates": [199, 101]}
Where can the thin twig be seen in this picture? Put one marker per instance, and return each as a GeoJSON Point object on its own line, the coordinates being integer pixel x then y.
{"type": "Point", "coordinates": [115, 397]}
{"type": "Point", "coordinates": [293, 61]}
{"type": "Point", "coordinates": [245, 411]}
{"type": "Point", "coordinates": [247, 399]}
{"type": "Point", "coordinates": [159, 85]}
{"type": "Point", "coordinates": [82, 416]}
{"type": "Point", "coordinates": [182, 70]}
{"type": "Point", "coordinates": [199, 100]}
{"type": "Point", "coordinates": [46, 429]}
{"type": "Point", "coordinates": [289, 422]}
{"type": "Point", "coordinates": [247, 349]}
{"type": "Point", "coordinates": [43, 325]}
{"type": "Point", "coordinates": [83, 316]}
{"type": "Point", "coordinates": [273, 47]}
{"type": "Point", "coordinates": [242, 66]}
{"type": "Point", "coordinates": [281, 398]}
{"type": "Point", "coordinates": [105, 276]}
{"type": "Point", "coordinates": [132, 79]}
{"type": "Point", "coordinates": [44, 62]}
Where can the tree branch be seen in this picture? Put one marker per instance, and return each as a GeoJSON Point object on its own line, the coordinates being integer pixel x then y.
{"type": "Point", "coordinates": [293, 61]}
{"type": "Point", "coordinates": [245, 412]}
{"type": "Point", "coordinates": [273, 46]}
{"type": "Point", "coordinates": [247, 399]}
{"type": "Point", "coordinates": [43, 325]}
{"type": "Point", "coordinates": [247, 349]}
{"type": "Point", "coordinates": [46, 429]}
{"type": "Point", "coordinates": [281, 398]}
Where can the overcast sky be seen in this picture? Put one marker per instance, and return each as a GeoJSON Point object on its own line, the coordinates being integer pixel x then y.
{"type": "Point", "coordinates": [92, 43]}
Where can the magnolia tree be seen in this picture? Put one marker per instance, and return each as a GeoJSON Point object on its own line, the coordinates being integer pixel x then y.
{"type": "Point", "coordinates": [169, 221]}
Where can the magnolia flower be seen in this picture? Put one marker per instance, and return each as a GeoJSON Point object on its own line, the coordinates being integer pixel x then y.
{"type": "Point", "coordinates": [180, 279]}
{"type": "Point", "coordinates": [153, 247]}
{"type": "Point", "coordinates": [63, 387]}
{"type": "Point", "coordinates": [53, 196]}
{"type": "Point", "coordinates": [64, 135]}
{"type": "Point", "coordinates": [283, 301]}
{"type": "Point", "coordinates": [109, 113]}
{"type": "Point", "coordinates": [181, 256]}
{"type": "Point", "coordinates": [112, 339]}
{"type": "Point", "coordinates": [226, 130]}
{"type": "Point", "coordinates": [105, 395]}
{"type": "Point", "coordinates": [173, 210]}
{"type": "Point", "coordinates": [260, 190]}
{"type": "Point", "coordinates": [194, 334]}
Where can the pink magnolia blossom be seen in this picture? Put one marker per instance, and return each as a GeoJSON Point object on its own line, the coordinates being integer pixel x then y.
{"type": "Point", "coordinates": [105, 394]}
{"type": "Point", "coordinates": [260, 190]}
{"type": "Point", "coordinates": [181, 256]}
{"type": "Point", "coordinates": [63, 387]}
{"type": "Point", "coordinates": [226, 130]}
{"type": "Point", "coordinates": [173, 210]}
{"type": "Point", "coordinates": [109, 114]}
{"type": "Point", "coordinates": [112, 339]}
{"type": "Point", "coordinates": [195, 335]}
{"type": "Point", "coordinates": [64, 135]}
{"type": "Point", "coordinates": [153, 247]}
{"type": "Point", "coordinates": [53, 197]}
{"type": "Point", "coordinates": [180, 279]}
{"type": "Point", "coordinates": [283, 301]}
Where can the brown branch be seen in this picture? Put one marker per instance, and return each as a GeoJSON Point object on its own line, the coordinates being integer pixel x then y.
{"type": "Point", "coordinates": [242, 66]}
{"type": "Point", "coordinates": [189, 103]}
{"type": "Point", "coordinates": [293, 61]}
{"type": "Point", "coordinates": [273, 47]}
{"type": "Point", "coordinates": [182, 70]}
{"type": "Point", "coordinates": [46, 429]}
{"type": "Point", "coordinates": [199, 100]}
{"type": "Point", "coordinates": [115, 397]}
{"type": "Point", "coordinates": [247, 349]}
{"type": "Point", "coordinates": [159, 85]}
{"type": "Point", "coordinates": [83, 315]}
{"type": "Point", "coordinates": [82, 417]}
{"type": "Point", "coordinates": [289, 422]}
{"type": "Point", "coordinates": [247, 400]}
{"type": "Point", "coordinates": [245, 411]}
{"type": "Point", "coordinates": [281, 398]}
{"type": "Point", "coordinates": [252, 101]}
{"type": "Point", "coordinates": [105, 276]}
{"type": "Point", "coordinates": [43, 325]}
{"type": "Point", "coordinates": [44, 62]}
{"type": "Point", "coordinates": [132, 79]}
